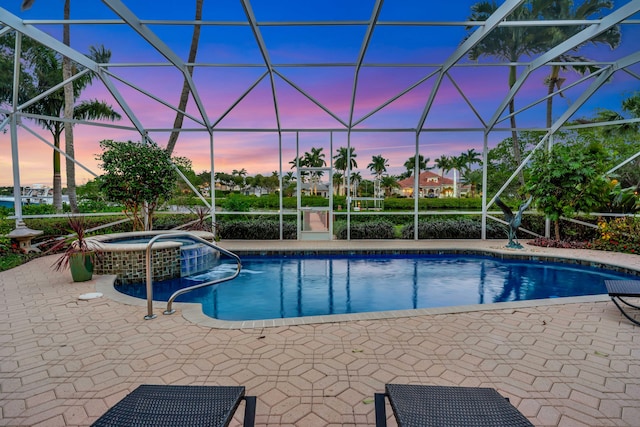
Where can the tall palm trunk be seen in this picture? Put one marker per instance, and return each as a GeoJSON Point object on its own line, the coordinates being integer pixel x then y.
{"type": "Point", "coordinates": [517, 155]}
{"type": "Point", "coordinates": [68, 114]}
{"type": "Point", "coordinates": [184, 95]}
{"type": "Point", "coordinates": [57, 176]}
{"type": "Point", "coordinates": [553, 80]}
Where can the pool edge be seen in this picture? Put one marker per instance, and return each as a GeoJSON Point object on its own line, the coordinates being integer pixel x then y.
{"type": "Point", "coordinates": [193, 311]}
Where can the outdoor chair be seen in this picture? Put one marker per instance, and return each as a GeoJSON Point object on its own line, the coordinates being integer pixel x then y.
{"type": "Point", "coordinates": [175, 405]}
{"type": "Point", "coordinates": [444, 406]}
{"type": "Point", "coordinates": [624, 288]}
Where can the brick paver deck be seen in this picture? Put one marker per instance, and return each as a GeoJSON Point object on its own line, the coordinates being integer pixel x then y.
{"type": "Point", "coordinates": [64, 362]}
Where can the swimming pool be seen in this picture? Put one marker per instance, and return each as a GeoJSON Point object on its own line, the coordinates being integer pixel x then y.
{"type": "Point", "coordinates": [297, 286]}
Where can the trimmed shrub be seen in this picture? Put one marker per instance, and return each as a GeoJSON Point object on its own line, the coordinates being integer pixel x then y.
{"type": "Point", "coordinates": [256, 229]}
{"type": "Point", "coordinates": [379, 229]}
{"type": "Point", "coordinates": [400, 204]}
{"type": "Point", "coordinates": [453, 229]}
{"type": "Point", "coordinates": [358, 218]}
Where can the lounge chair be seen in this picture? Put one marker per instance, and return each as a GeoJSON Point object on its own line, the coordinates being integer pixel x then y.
{"type": "Point", "coordinates": [444, 406]}
{"type": "Point", "coordinates": [175, 405]}
{"type": "Point", "coordinates": [624, 288]}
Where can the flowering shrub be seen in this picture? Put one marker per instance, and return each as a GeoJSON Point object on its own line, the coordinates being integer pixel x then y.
{"type": "Point", "coordinates": [619, 235]}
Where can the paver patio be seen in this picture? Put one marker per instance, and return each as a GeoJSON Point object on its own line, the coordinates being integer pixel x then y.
{"type": "Point", "coordinates": [64, 362]}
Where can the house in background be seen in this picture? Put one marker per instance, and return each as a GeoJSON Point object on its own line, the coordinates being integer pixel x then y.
{"type": "Point", "coordinates": [431, 185]}
{"type": "Point", "coordinates": [315, 189]}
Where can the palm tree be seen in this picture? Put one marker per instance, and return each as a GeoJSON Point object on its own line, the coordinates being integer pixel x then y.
{"type": "Point", "coordinates": [48, 69]}
{"type": "Point", "coordinates": [301, 162]}
{"type": "Point", "coordinates": [184, 95]}
{"type": "Point", "coordinates": [459, 165]}
{"type": "Point", "coordinates": [471, 157]}
{"type": "Point", "coordinates": [68, 114]}
{"type": "Point", "coordinates": [565, 10]}
{"type": "Point", "coordinates": [288, 177]}
{"type": "Point", "coordinates": [509, 44]}
{"type": "Point", "coordinates": [315, 159]}
{"type": "Point", "coordinates": [422, 165]}
{"type": "Point", "coordinates": [389, 183]}
{"type": "Point", "coordinates": [288, 182]}
{"type": "Point", "coordinates": [630, 105]}
{"type": "Point", "coordinates": [472, 178]}
{"type": "Point", "coordinates": [338, 178]}
{"type": "Point", "coordinates": [356, 179]}
{"type": "Point", "coordinates": [378, 166]}
{"type": "Point", "coordinates": [242, 176]}
{"type": "Point", "coordinates": [444, 164]}
{"type": "Point", "coordinates": [344, 160]}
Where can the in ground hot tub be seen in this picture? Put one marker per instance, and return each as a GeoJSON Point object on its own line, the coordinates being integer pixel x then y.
{"type": "Point", "coordinates": [124, 254]}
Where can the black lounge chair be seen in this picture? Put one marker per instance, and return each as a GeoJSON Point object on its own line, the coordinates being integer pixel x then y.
{"type": "Point", "coordinates": [444, 406]}
{"type": "Point", "coordinates": [175, 405]}
{"type": "Point", "coordinates": [624, 288]}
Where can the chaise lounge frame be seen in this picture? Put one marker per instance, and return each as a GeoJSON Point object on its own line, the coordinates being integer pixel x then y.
{"type": "Point", "coordinates": [180, 405]}
{"type": "Point", "coordinates": [450, 406]}
{"type": "Point", "coordinates": [624, 288]}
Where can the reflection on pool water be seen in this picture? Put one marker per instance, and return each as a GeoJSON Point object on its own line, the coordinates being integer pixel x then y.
{"type": "Point", "coordinates": [295, 286]}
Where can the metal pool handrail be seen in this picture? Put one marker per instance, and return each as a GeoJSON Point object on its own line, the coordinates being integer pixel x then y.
{"type": "Point", "coordinates": [177, 293]}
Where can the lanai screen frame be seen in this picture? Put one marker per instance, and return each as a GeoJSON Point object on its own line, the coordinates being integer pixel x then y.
{"type": "Point", "coordinates": [210, 125]}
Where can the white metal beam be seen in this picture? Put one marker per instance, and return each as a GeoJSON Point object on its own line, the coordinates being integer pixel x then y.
{"type": "Point", "coordinates": [248, 10]}
{"type": "Point", "coordinates": [52, 43]}
{"type": "Point", "coordinates": [595, 29]}
{"type": "Point", "coordinates": [240, 98]}
{"type": "Point", "coordinates": [363, 50]}
{"type": "Point", "coordinates": [45, 39]}
{"type": "Point", "coordinates": [627, 61]}
{"type": "Point", "coordinates": [150, 37]}
{"type": "Point", "coordinates": [311, 98]}
{"type": "Point", "coordinates": [492, 22]}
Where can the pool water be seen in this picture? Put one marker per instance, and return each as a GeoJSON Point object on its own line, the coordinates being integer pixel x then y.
{"type": "Point", "coordinates": [296, 286]}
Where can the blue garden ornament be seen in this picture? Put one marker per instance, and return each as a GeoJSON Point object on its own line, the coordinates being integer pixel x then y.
{"type": "Point", "coordinates": [514, 221]}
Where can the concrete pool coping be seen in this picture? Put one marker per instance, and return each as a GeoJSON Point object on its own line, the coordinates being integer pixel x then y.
{"type": "Point", "coordinates": [193, 311]}
{"type": "Point", "coordinates": [106, 242]}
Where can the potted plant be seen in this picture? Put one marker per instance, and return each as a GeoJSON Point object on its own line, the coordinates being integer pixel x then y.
{"type": "Point", "coordinates": [79, 252]}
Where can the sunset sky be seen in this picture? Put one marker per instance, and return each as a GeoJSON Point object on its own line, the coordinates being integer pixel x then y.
{"type": "Point", "coordinates": [334, 50]}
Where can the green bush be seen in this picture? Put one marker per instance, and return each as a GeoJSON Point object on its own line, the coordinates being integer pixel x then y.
{"type": "Point", "coordinates": [256, 229]}
{"type": "Point", "coordinates": [185, 200]}
{"type": "Point", "coordinates": [358, 218]}
{"type": "Point", "coordinates": [379, 229]}
{"type": "Point", "coordinates": [56, 227]}
{"type": "Point", "coordinates": [236, 203]}
{"type": "Point", "coordinates": [42, 209]}
{"type": "Point", "coordinates": [453, 229]}
{"type": "Point", "coordinates": [468, 204]}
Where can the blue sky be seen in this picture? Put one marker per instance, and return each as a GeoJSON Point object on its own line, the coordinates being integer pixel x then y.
{"type": "Point", "coordinates": [220, 87]}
